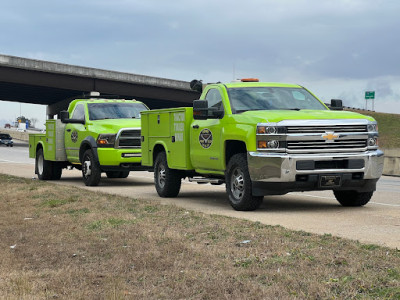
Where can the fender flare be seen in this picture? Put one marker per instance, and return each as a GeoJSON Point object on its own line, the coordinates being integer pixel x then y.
{"type": "Point", "coordinates": [88, 143]}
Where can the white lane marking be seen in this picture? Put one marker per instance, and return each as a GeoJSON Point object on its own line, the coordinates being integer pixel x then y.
{"type": "Point", "coordinates": [312, 196]}
{"type": "Point", "coordinates": [385, 204]}
{"type": "Point", "coordinates": [322, 197]}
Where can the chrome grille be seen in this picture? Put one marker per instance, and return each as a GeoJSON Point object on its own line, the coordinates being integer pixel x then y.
{"type": "Point", "coordinates": [319, 145]}
{"type": "Point", "coordinates": [323, 129]}
{"type": "Point", "coordinates": [352, 138]}
{"type": "Point", "coordinates": [129, 138]}
{"type": "Point", "coordinates": [318, 136]}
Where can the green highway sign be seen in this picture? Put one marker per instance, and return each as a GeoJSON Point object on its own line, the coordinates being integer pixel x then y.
{"type": "Point", "coordinates": [370, 95]}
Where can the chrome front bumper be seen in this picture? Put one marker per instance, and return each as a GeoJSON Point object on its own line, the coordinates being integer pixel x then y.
{"type": "Point", "coordinates": [282, 167]}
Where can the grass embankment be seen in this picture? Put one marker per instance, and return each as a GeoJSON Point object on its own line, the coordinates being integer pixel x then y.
{"type": "Point", "coordinates": [389, 128]}
{"type": "Point", "coordinates": [62, 242]}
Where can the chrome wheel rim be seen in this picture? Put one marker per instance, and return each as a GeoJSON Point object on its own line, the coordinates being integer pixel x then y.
{"type": "Point", "coordinates": [86, 167]}
{"type": "Point", "coordinates": [40, 163]}
{"type": "Point", "coordinates": [161, 175]}
{"type": "Point", "coordinates": [237, 184]}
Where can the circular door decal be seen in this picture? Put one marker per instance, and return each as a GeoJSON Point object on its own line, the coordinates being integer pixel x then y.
{"type": "Point", "coordinates": [74, 136]}
{"type": "Point", "coordinates": [205, 138]}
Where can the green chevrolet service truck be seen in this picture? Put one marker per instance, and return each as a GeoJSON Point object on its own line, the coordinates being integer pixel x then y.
{"type": "Point", "coordinates": [95, 135]}
{"type": "Point", "coordinates": [263, 139]}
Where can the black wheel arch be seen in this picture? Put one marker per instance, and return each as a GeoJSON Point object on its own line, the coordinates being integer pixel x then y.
{"type": "Point", "coordinates": [233, 147]}
{"type": "Point", "coordinates": [88, 143]}
{"type": "Point", "coordinates": [157, 149]}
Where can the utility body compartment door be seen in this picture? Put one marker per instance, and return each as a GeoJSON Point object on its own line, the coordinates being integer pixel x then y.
{"type": "Point", "coordinates": [167, 128]}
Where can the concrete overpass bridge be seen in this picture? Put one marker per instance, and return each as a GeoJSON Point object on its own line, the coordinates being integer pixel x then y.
{"type": "Point", "coordinates": [54, 84]}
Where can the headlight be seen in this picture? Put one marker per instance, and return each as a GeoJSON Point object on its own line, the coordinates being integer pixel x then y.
{"type": "Point", "coordinates": [106, 140]}
{"type": "Point", "coordinates": [268, 144]}
{"type": "Point", "coordinates": [266, 130]}
{"type": "Point", "coordinates": [372, 127]}
{"type": "Point", "coordinates": [271, 128]}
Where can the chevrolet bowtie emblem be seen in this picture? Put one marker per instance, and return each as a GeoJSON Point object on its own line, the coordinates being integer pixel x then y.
{"type": "Point", "coordinates": [330, 136]}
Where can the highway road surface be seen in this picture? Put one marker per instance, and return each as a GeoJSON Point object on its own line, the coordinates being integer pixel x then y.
{"type": "Point", "coordinates": [318, 212]}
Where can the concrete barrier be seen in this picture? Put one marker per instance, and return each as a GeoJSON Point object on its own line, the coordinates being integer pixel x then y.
{"type": "Point", "coordinates": [391, 164]}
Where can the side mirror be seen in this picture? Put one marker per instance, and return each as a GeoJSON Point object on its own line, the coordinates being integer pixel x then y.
{"type": "Point", "coordinates": [65, 118]}
{"type": "Point", "coordinates": [336, 104]}
{"type": "Point", "coordinates": [64, 115]}
{"type": "Point", "coordinates": [200, 109]}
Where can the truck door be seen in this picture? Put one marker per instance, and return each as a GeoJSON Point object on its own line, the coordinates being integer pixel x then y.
{"type": "Point", "coordinates": [205, 138]}
{"type": "Point", "coordinates": [74, 134]}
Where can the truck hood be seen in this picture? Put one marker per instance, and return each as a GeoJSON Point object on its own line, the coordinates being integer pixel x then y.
{"type": "Point", "coordinates": [114, 125]}
{"type": "Point", "coordinates": [280, 115]}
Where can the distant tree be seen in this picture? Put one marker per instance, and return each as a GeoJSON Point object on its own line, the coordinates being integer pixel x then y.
{"type": "Point", "coordinates": [22, 119]}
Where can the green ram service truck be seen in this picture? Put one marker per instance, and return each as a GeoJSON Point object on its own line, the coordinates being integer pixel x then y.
{"type": "Point", "coordinates": [263, 139]}
{"type": "Point", "coordinates": [95, 135]}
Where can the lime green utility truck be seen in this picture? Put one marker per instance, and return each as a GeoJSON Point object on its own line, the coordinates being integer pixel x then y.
{"type": "Point", "coordinates": [95, 135]}
{"type": "Point", "coordinates": [263, 139]}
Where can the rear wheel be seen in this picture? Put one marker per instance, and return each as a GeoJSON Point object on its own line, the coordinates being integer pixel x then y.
{"type": "Point", "coordinates": [167, 181]}
{"type": "Point", "coordinates": [43, 167]}
{"type": "Point", "coordinates": [352, 198]}
{"type": "Point", "coordinates": [46, 169]}
{"type": "Point", "coordinates": [91, 171]}
{"type": "Point", "coordinates": [57, 171]}
{"type": "Point", "coordinates": [239, 186]}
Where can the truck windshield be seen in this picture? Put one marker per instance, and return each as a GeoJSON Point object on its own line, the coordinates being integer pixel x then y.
{"type": "Point", "coordinates": [101, 111]}
{"type": "Point", "coordinates": [272, 98]}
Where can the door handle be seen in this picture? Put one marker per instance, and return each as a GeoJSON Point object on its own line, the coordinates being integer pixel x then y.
{"type": "Point", "coordinates": [195, 126]}
{"type": "Point", "coordinates": [68, 130]}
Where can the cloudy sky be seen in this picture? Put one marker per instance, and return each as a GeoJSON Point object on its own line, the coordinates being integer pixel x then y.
{"type": "Point", "coordinates": [336, 48]}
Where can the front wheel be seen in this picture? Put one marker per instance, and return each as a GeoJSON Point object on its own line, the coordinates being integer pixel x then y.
{"type": "Point", "coordinates": [352, 198]}
{"type": "Point", "coordinates": [167, 181]}
{"type": "Point", "coordinates": [239, 186]}
{"type": "Point", "coordinates": [91, 172]}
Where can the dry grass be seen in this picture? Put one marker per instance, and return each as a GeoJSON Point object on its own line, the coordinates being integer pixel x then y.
{"type": "Point", "coordinates": [389, 136]}
{"type": "Point", "coordinates": [75, 244]}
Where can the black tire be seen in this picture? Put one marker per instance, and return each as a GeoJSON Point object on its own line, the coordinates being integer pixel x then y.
{"type": "Point", "coordinates": [239, 186]}
{"type": "Point", "coordinates": [56, 171]}
{"type": "Point", "coordinates": [91, 171]}
{"type": "Point", "coordinates": [352, 198]}
{"type": "Point", "coordinates": [167, 181]}
{"type": "Point", "coordinates": [43, 168]}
